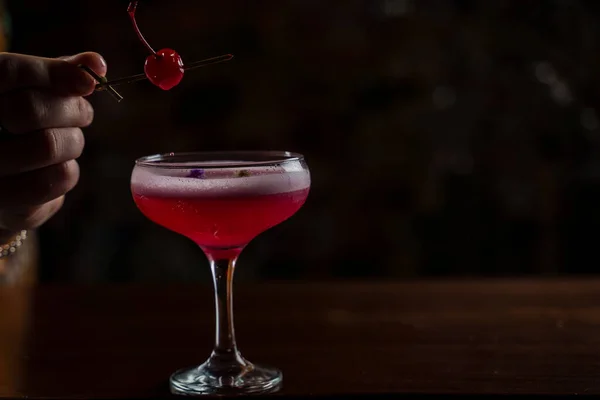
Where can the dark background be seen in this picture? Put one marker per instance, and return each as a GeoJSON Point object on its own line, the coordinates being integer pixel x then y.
{"type": "Point", "coordinates": [445, 138]}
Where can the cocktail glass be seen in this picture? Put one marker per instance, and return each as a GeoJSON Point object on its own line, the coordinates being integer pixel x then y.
{"type": "Point", "coordinates": [221, 201]}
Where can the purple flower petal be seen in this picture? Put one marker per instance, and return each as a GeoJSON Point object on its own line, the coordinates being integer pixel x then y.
{"type": "Point", "coordinates": [196, 173]}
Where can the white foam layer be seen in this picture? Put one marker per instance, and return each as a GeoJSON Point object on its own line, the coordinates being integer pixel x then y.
{"type": "Point", "coordinates": [218, 182]}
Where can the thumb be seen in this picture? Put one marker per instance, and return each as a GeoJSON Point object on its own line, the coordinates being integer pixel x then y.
{"type": "Point", "coordinates": [92, 60]}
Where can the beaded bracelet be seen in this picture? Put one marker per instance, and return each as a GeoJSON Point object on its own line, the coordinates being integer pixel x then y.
{"type": "Point", "coordinates": [12, 246]}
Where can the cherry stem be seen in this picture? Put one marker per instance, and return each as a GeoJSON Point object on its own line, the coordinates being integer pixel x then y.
{"type": "Point", "coordinates": [131, 11]}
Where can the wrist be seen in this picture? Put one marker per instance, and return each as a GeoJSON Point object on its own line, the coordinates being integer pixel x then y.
{"type": "Point", "coordinates": [6, 236]}
{"type": "Point", "coordinates": [18, 265]}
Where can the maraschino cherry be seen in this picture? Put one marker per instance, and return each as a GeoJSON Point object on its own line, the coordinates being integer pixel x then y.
{"type": "Point", "coordinates": [164, 68]}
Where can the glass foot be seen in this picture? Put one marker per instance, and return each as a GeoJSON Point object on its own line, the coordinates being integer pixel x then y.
{"type": "Point", "coordinates": [206, 379]}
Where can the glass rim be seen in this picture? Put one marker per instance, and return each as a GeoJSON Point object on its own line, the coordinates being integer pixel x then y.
{"type": "Point", "coordinates": [206, 159]}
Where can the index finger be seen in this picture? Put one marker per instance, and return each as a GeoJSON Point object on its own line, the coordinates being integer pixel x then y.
{"type": "Point", "coordinates": [20, 71]}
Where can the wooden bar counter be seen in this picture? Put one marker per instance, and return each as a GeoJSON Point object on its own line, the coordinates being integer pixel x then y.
{"type": "Point", "coordinates": [536, 337]}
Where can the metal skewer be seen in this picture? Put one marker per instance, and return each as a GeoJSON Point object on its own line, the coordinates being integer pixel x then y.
{"type": "Point", "coordinates": [141, 77]}
{"type": "Point", "coordinates": [102, 81]}
{"type": "Point", "coordinates": [105, 84]}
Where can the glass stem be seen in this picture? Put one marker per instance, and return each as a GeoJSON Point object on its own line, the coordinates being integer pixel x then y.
{"type": "Point", "coordinates": [225, 351]}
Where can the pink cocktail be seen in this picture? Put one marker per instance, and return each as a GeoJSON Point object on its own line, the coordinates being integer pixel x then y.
{"type": "Point", "coordinates": [222, 201]}
{"type": "Point", "coordinates": [220, 208]}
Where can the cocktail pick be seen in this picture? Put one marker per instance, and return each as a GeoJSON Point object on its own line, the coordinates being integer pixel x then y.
{"type": "Point", "coordinates": [103, 82]}
{"type": "Point", "coordinates": [106, 85]}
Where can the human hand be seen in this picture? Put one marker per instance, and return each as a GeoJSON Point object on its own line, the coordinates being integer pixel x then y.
{"type": "Point", "coordinates": [42, 111]}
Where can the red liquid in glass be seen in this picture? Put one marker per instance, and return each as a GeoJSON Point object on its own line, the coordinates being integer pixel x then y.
{"type": "Point", "coordinates": [221, 221]}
